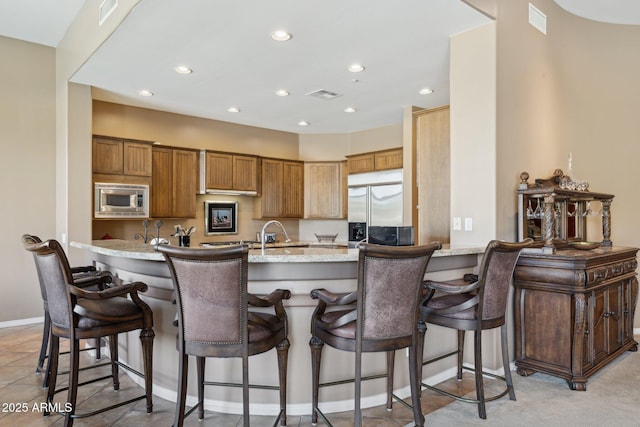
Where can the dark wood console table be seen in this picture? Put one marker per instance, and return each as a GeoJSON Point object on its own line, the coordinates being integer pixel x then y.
{"type": "Point", "coordinates": [574, 311]}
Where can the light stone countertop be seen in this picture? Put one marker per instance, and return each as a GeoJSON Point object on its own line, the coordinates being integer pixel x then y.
{"type": "Point", "coordinates": [278, 254]}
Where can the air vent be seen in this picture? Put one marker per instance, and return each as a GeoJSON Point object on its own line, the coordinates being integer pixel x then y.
{"type": "Point", "coordinates": [106, 8]}
{"type": "Point", "coordinates": [537, 19]}
{"type": "Point", "coordinates": [323, 94]}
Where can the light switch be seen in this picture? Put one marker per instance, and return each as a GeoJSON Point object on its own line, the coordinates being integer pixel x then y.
{"type": "Point", "coordinates": [457, 223]}
{"type": "Point", "coordinates": [468, 224]}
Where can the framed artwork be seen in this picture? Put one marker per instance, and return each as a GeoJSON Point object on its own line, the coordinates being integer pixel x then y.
{"type": "Point", "coordinates": [221, 217]}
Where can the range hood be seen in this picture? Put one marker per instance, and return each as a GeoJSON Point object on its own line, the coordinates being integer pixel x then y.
{"type": "Point", "coordinates": [203, 182]}
{"type": "Point", "coordinates": [229, 192]}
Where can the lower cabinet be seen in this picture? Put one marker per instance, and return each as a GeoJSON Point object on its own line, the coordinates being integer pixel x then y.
{"type": "Point", "coordinates": [174, 183]}
{"type": "Point", "coordinates": [574, 311]}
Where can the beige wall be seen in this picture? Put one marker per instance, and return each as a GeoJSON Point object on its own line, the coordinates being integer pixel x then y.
{"type": "Point", "coordinates": [473, 134]}
{"type": "Point", "coordinates": [27, 150]}
{"type": "Point", "coordinates": [193, 132]}
{"type": "Point", "coordinates": [73, 115]}
{"type": "Point", "coordinates": [574, 90]}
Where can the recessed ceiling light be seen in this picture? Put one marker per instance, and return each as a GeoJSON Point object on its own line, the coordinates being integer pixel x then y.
{"type": "Point", "coordinates": [145, 92]}
{"type": "Point", "coordinates": [425, 91]}
{"type": "Point", "coordinates": [280, 35]}
{"type": "Point", "coordinates": [233, 110]}
{"type": "Point", "coordinates": [350, 110]}
{"type": "Point", "coordinates": [356, 68]}
{"type": "Point", "coordinates": [303, 123]}
{"type": "Point", "coordinates": [183, 69]}
{"type": "Point", "coordinates": [282, 92]}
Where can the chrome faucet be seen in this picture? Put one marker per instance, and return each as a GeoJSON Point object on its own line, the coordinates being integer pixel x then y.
{"type": "Point", "coordinates": [264, 228]}
{"type": "Point", "coordinates": [146, 236]}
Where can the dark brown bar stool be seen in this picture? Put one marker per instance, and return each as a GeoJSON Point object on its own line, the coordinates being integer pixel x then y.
{"type": "Point", "coordinates": [381, 315]}
{"type": "Point", "coordinates": [78, 314]}
{"type": "Point", "coordinates": [214, 320]}
{"type": "Point", "coordinates": [475, 307]}
{"type": "Point", "coordinates": [86, 277]}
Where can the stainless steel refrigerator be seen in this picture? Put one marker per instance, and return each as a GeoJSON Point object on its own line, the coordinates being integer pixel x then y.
{"type": "Point", "coordinates": [375, 198]}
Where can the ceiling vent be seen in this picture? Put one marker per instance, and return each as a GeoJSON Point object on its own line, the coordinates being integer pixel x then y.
{"type": "Point", "coordinates": [323, 94]}
{"type": "Point", "coordinates": [106, 8]}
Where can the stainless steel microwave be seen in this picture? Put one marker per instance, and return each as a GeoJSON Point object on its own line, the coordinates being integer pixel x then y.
{"type": "Point", "coordinates": [121, 200]}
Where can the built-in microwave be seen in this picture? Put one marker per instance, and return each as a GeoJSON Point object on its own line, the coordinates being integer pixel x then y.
{"type": "Point", "coordinates": [121, 200]}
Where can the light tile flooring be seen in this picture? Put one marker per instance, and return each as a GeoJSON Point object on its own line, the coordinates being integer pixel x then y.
{"type": "Point", "coordinates": [19, 347]}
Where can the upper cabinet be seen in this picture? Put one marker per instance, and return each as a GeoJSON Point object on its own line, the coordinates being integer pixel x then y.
{"type": "Point", "coordinates": [325, 190]}
{"type": "Point", "coordinates": [114, 156]}
{"type": "Point", "coordinates": [228, 171]}
{"type": "Point", "coordinates": [174, 183]}
{"type": "Point", "coordinates": [375, 161]}
{"type": "Point", "coordinates": [282, 194]}
{"type": "Point", "coordinates": [293, 189]}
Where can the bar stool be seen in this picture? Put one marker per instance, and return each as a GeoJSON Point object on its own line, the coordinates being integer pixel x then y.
{"type": "Point", "coordinates": [214, 320]}
{"type": "Point", "coordinates": [78, 314]}
{"type": "Point", "coordinates": [475, 307]}
{"type": "Point", "coordinates": [86, 277]}
{"type": "Point", "coordinates": [381, 315]}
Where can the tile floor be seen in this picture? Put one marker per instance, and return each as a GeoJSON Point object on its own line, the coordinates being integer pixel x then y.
{"type": "Point", "coordinates": [19, 347]}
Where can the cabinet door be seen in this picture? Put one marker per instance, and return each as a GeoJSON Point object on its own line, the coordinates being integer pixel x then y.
{"type": "Point", "coordinates": [137, 159]}
{"type": "Point", "coordinates": [360, 163]}
{"type": "Point", "coordinates": [107, 156]}
{"type": "Point", "coordinates": [432, 166]}
{"type": "Point", "coordinates": [391, 159]}
{"type": "Point", "coordinates": [245, 173]}
{"type": "Point", "coordinates": [293, 190]}
{"type": "Point", "coordinates": [606, 317]}
{"type": "Point", "coordinates": [162, 183]}
{"type": "Point", "coordinates": [185, 183]}
{"type": "Point", "coordinates": [323, 192]}
{"type": "Point", "coordinates": [597, 328]}
{"type": "Point", "coordinates": [219, 171]}
{"type": "Point", "coordinates": [271, 199]}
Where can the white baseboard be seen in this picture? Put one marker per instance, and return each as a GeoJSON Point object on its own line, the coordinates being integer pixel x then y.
{"type": "Point", "coordinates": [21, 322]}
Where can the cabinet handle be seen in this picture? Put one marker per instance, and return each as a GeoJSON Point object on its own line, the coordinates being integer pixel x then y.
{"type": "Point", "coordinates": [610, 314]}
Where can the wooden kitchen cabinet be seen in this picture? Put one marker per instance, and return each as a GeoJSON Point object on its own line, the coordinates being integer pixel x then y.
{"type": "Point", "coordinates": [282, 193]}
{"type": "Point", "coordinates": [121, 157]}
{"type": "Point", "coordinates": [293, 189]}
{"type": "Point", "coordinates": [574, 311]}
{"type": "Point", "coordinates": [174, 183]}
{"type": "Point", "coordinates": [228, 171]}
{"type": "Point", "coordinates": [325, 188]}
{"type": "Point", "coordinates": [375, 161]}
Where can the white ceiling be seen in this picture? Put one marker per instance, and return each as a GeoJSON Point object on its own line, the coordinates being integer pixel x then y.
{"type": "Point", "coordinates": [37, 21]}
{"type": "Point", "coordinates": [403, 45]}
{"type": "Point", "coordinates": [611, 11]}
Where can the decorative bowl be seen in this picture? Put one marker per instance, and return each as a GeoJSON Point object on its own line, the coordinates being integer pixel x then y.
{"type": "Point", "coordinates": [323, 238]}
{"type": "Point", "coordinates": [585, 246]}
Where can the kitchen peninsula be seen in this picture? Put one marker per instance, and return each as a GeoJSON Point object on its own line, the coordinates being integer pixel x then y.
{"type": "Point", "coordinates": [299, 269]}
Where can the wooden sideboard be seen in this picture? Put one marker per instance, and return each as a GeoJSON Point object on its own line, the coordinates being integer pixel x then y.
{"type": "Point", "coordinates": [574, 311]}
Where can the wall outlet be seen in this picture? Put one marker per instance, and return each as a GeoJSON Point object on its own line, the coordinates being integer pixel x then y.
{"type": "Point", "coordinates": [468, 224]}
{"type": "Point", "coordinates": [457, 223]}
